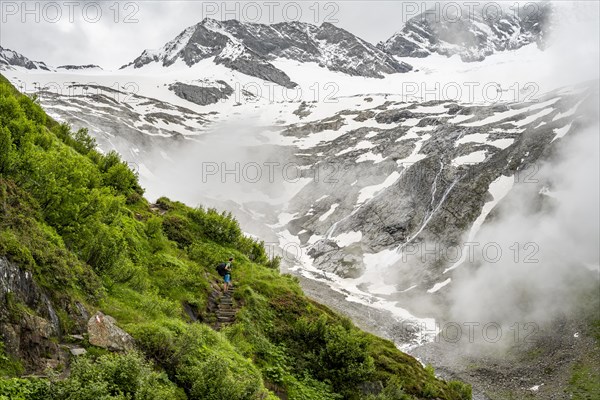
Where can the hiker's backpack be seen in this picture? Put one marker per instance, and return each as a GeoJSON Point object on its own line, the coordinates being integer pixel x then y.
{"type": "Point", "coordinates": [221, 269]}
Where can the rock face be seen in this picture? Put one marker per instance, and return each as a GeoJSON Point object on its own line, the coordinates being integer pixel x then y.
{"type": "Point", "coordinates": [238, 58]}
{"type": "Point", "coordinates": [79, 67]}
{"type": "Point", "coordinates": [249, 48]}
{"type": "Point", "coordinates": [418, 175]}
{"type": "Point", "coordinates": [28, 320]}
{"type": "Point", "coordinates": [78, 351]}
{"type": "Point", "coordinates": [10, 58]}
{"type": "Point", "coordinates": [203, 94]}
{"type": "Point", "coordinates": [104, 332]}
{"type": "Point", "coordinates": [473, 34]}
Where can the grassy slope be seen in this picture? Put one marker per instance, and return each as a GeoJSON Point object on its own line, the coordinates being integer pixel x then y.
{"type": "Point", "coordinates": [77, 220]}
{"type": "Point", "coordinates": [584, 383]}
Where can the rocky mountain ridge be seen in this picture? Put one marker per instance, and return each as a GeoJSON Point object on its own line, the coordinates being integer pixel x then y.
{"type": "Point", "coordinates": [10, 58]}
{"type": "Point", "coordinates": [70, 67]}
{"type": "Point", "coordinates": [250, 48]}
{"type": "Point", "coordinates": [472, 33]}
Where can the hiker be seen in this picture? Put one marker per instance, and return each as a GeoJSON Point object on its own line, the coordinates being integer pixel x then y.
{"type": "Point", "coordinates": [227, 276]}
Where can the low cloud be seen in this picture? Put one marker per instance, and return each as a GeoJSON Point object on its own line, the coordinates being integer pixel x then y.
{"type": "Point", "coordinates": [552, 240]}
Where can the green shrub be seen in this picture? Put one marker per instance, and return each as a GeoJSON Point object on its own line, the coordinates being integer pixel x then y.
{"type": "Point", "coordinates": [115, 376]}
{"type": "Point", "coordinates": [156, 341]}
{"type": "Point", "coordinates": [5, 149]}
{"type": "Point", "coordinates": [10, 109]}
{"type": "Point", "coordinates": [9, 367]}
{"type": "Point", "coordinates": [393, 391]}
{"type": "Point", "coordinates": [254, 250]}
{"type": "Point", "coordinates": [218, 227]}
{"type": "Point", "coordinates": [120, 177]}
{"type": "Point", "coordinates": [463, 390]}
{"type": "Point", "coordinates": [274, 263]}
{"type": "Point", "coordinates": [32, 110]}
{"type": "Point", "coordinates": [345, 359]}
{"type": "Point", "coordinates": [211, 369]}
{"type": "Point", "coordinates": [24, 389]}
{"type": "Point", "coordinates": [430, 390]}
{"type": "Point", "coordinates": [308, 388]}
{"type": "Point", "coordinates": [178, 230]}
{"type": "Point", "coordinates": [85, 142]}
{"type": "Point", "coordinates": [207, 254]}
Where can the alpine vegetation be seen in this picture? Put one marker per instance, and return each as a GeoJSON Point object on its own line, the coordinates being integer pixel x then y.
{"type": "Point", "coordinates": [353, 200]}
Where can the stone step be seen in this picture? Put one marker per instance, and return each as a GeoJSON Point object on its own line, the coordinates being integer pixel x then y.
{"type": "Point", "coordinates": [78, 351]}
{"type": "Point", "coordinates": [225, 311]}
{"type": "Point", "coordinates": [226, 314]}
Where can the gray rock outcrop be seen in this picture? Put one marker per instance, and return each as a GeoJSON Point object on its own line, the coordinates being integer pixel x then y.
{"type": "Point", "coordinates": [10, 58]}
{"type": "Point", "coordinates": [28, 320]}
{"type": "Point", "coordinates": [104, 332]}
{"type": "Point", "coordinates": [203, 94]}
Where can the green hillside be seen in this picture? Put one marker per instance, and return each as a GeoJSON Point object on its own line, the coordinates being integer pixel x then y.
{"type": "Point", "coordinates": [77, 222]}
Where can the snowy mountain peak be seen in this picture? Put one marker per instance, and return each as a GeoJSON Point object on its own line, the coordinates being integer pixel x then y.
{"type": "Point", "coordinates": [473, 34]}
{"type": "Point", "coordinates": [258, 44]}
{"type": "Point", "coordinates": [10, 58]}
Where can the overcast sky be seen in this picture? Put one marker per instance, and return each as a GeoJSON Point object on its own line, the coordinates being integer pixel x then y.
{"type": "Point", "coordinates": [111, 33]}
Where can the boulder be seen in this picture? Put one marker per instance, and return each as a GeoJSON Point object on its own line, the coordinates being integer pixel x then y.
{"type": "Point", "coordinates": [78, 351]}
{"type": "Point", "coordinates": [104, 332]}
